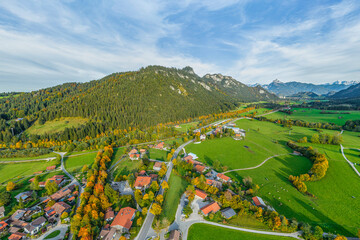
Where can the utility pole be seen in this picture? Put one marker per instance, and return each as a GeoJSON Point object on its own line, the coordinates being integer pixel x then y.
{"type": "Point", "coordinates": [12, 130]}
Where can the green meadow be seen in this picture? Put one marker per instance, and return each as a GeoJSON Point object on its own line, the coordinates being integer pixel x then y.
{"type": "Point", "coordinates": [201, 231]}
{"type": "Point", "coordinates": [57, 125]}
{"type": "Point", "coordinates": [29, 158]}
{"type": "Point", "coordinates": [76, 162]}
{"type": "Point", "coordinates": [335, 206]}
{"type": "Point", "coordinates": [158, 154]}
{"type": "Point", "coordinates": [177, 187]}
{"type": "Point", "coordinates": [186, 126]}
{"type": "Point", "coordinates": [314, 115]}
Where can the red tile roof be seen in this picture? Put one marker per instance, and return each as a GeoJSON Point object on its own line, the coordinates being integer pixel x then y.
{"type": "Point", "coordinates": [188, 158]}
{"type": "Point", "coordinates": [199, 168]}
{"type": "Point", "coordinates": [142, 181]}
{"type": "Point", "coordinates": [142, 172]}
{"type": "Point", "coordinates": [200, 194]}
{"type": "Point", "coordinates": [212, 207]}
{"type": "Point", "coordinates": [223, 177]}
{"type": "Point", "coordinates": [133, 151]}
{"type": "Point", "coordinates": [16, 236]}
{"type": "Point", "coordinates": [39, 172]}
{"type": "Point", "coordinates": [71, 198]}
{"type": "Point", "coordinates": [160, 145]}
{"type": "Point", "coordinates": [3, 225]}
{"type": "Point", "coordinates": [51, 168]}
{"type": "Point", "coordinates": [109, 214]}
{"type": "Point", "coordinates": [123, 218]}
{"type": "Point", "coordinates": [158, 164]}
{"type": "Point", "coordinates": [60, 207]}
{"type": "Point", "coordinates": [258, 201]}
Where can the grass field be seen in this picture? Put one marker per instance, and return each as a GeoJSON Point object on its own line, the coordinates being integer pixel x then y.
{"type": "Point", "coordinates": [201, 231]}
{"type": "Point", "coordinates": [314, 115]}
{"type": "Point", "coordinates": [177, 187]}
{"type": "Point", "coordinates": [57, 125]}
{"type": "Point", "coordinates": [75, 163]}
{"type": "Point", "coordinates": [118, 152]}
{"type": "Point", "coordinates": [333, 208]}
{"type": "Point", "coordinates": [158, 154]}
{"type": "Point", "coordinates": [29, 158]}
{"type": "Point", "coordinates": [186, 126]}
{"type": "Point", "coordinates": [248, 222]}
{"type": "Point", "coordinates": [14, 171]}
{"type": "Point", "coordinates": [126, 166]}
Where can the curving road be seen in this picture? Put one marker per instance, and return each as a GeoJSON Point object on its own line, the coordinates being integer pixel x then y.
{"type": "Point", "coordinates": [249, 168]}
{"type": "Point", "coordinates": [350, 163]}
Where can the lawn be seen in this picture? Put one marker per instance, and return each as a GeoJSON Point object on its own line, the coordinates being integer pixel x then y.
{"type": "Point", "coordinates": [57, 125]}
{"type": "Point", "coordinates": [17, 170]}
{"type": "Point", "coordinates": [177, 187]}
{"type": "Point", "coordinates": [53, 234]}
{"type": "Point", "coordinates": [118, 152]}
{"type": "Point", "coordinates": [353, 155]}
{"type": "Point", "coordinates": [126, 166]}
{"type": "Point", "coordinates": [158, 154]}
{"type": "Point", "coordinates": [248, 221]}
{"type": "Point", "coordinates": [29, 158]}
{"type": "Point", "coordinates": [201, 231]}
{"type": "Point", "coordinates": [75, 163]}
{"type": "Point", "coordinates": [186, 126]}
{"type": "Point", "coordinates": [333, 208]}
{"type": "Point", "coordinates": [314, 115]}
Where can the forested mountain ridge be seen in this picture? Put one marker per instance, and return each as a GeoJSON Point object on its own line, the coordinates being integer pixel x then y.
{"type": "Point", "coordinates": [145, 97]}
{"type": "Point", "coordinates": [351, 92]}
{"type": "Point", "coordinates": [237, 89]}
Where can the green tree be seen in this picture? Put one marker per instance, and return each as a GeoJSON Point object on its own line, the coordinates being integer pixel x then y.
{"type": "Point", "coordinates": [315, 138]}
{"type": "Point", "coordinates": [5, 198]}
{"type": "Point", "coordinates": [51, 187]}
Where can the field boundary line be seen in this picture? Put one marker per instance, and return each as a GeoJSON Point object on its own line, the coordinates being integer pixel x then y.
{"type": "Point", "coordinates": [350, 163]}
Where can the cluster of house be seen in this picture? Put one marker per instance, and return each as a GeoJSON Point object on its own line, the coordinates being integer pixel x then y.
{"type": "Point", "coordinates": [121, 223]}
{"type": "Point", "coordinates": [144, 180]}
{"type": "Point", "coordinates": [58, 179]}
{"type": "Point", "coordinates": [136, 154]}
{"type": "Point", "coordinates": [239, 134]}
{"type": "Point", "coordinates": [21, 223]}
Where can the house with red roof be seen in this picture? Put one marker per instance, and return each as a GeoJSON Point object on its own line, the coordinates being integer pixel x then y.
{"type": "Point", "coordinates": [109, 215]}
{"type": "Point", "coordinates": [58, 179]}
{"type": "Point", "coordinates": [258, 202]}
{"type": "Point", "coordinates": [200, 168]}
{"type": "Point", "coordinates": [223, 178]}
{"type": "Point", "coordinates": [124, 219]}
{"type": "Point", "coordinates": [200, 194]}
{"type": "Point", "coordinates": [3, 225]}
{"type": "Point", "coordinates": [159, 145]}
{"type": "Point", "coordinates": [157, 166]}
{"type": "Point", "coordinates": [210, 208]}
{"type": "Point", "coordinates": [142, 182]}
{"type": "Point", "coordinates": [61, 207]}
{"type": "Point", "coordinates": [135, 156]}
{"type": "Point", "coordinates": [214, 183]}
{"type": "Point", "coordinates": [50, 168]}
{"type": "Point", "coordinates": [17, 236]}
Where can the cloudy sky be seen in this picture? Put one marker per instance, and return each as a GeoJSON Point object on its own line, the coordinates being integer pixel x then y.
{"type": "Point", "coordinates": [45, 43]}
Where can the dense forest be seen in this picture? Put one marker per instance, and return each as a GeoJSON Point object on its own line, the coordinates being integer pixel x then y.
{"type": "Point", "coordinates": [141, 98]}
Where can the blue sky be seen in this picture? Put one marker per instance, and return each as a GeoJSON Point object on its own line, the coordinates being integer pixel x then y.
{"type": "Point", "coordinates": [45, 43]}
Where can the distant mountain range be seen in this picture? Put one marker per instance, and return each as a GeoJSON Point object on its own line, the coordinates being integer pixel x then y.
{"type": "Point", "coordinates": [305, 95]}
{"type": "Point", "coordinates": [291, 88]}
{"type": "Point", "coordinates": [351, 92]}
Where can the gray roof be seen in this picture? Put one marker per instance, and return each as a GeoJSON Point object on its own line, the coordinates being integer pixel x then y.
{"type": "Point", "coordinates": [38, 221]}
{"type": "Point", "coordinates": [228, 212]}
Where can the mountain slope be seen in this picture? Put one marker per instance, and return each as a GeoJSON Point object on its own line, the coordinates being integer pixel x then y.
{"type": "Point", "coordinates": [238, 90]}
{"type": "Point", "coordinates": [351, 92]}
{"type": "Point", "coordinates": [290, 88]}
{"type": "Point", "coordinates": [304, 95]}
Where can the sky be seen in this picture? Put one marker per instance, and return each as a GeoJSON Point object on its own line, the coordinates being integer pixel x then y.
{"type": "Point", "coordinates": [46, 43]}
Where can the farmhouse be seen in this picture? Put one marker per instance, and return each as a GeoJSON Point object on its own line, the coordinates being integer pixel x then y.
{"type": "Point", "coordinates": [34, 227]}
{"type": "Point", "coordinates": [157, 166]}
{"type": "Point", "coordinates": [200, 168]}
{"type": "Point", "coordinates": [214, 183]}
{"type": "Point", "coordinates": [142, 182]}
{"type": "Point", "coordinates": [210, 208]}
{"type": "Point", "coordinates": [223, 178]}
{"type": "Point", "coordinates": [58, 179]}
{"type": "Point", "coordinates": [200, 194]}
{"type": "Point", "coordinates": [123, 220]}
{"type": "Point", "coordinates": [193, 155]}
{"type": "Point", "coordinates": [134, 156]}
{"type": "Point", "coordinates": [50, 168]}
{"type": "Point", "coordinates": [109, 215]}
{"type": "Point", "coordinates": [159, 145]}
{"type": "Point", "coordinates": [258, 202]}
{"type": "Point", "coordinates": [142, 152]}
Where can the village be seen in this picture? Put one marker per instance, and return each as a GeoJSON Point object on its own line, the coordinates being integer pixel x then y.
{"type": "Point", "coordinates": [210, 196]}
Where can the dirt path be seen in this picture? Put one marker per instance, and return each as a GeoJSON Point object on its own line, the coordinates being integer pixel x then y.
{"type": "Point", "coordinates": [249, 168]}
